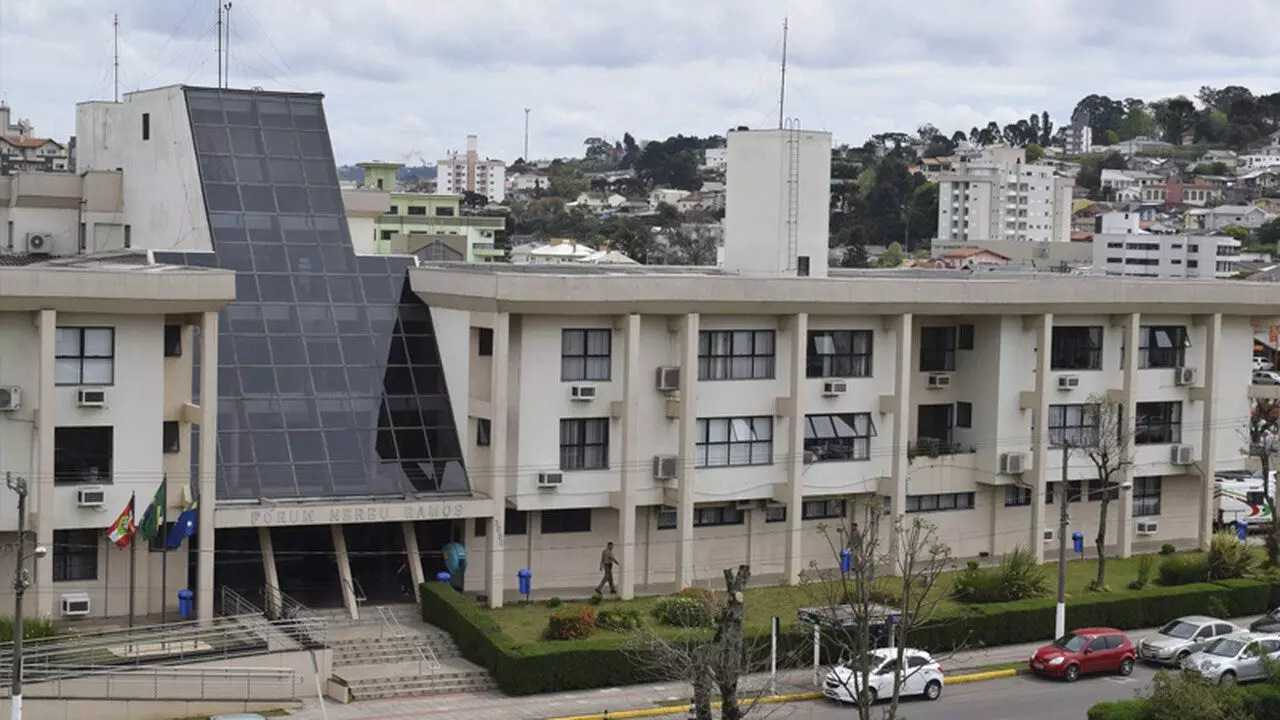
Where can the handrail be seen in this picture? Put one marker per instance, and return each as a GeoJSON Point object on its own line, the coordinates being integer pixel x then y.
{"type": "Point", "coordinates": [237, 604]}
{"type": "Point", "coordinates": [357, 590]}
{"type": "Point", "coordinates": [426, 655]}
{"type": "Point", "coordinates": [158, 682]}
{"type": "Point", "coordinates": [312, 628]}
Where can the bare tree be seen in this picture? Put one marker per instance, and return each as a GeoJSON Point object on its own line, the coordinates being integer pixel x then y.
{"type": "Point", "coordinates": [876, 596]}
{"type": "Point", "coordinates": [1264, 425]}
{"type": "Point", "coordinates": [1105, 441]}
{"type": "Point", "coordinates": [692, 245]}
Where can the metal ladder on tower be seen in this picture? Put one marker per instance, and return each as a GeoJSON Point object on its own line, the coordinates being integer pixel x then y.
{"type": "Point", "coordinates": [792, 127]}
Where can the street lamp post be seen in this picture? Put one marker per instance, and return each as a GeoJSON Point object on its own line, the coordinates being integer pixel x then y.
{"type": "Point", "coordinates": [20, 582]}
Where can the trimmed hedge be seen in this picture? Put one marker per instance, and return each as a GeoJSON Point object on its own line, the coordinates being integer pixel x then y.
{"type": "Point", "coordinates": [602, 662]}
{"type": "Point", "coordinates": [1135, 709]}
{"type": "Point", "coordinates": [1259, 702]}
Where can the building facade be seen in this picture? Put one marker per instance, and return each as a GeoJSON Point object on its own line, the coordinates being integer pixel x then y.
{"type": "Point", "coordinates": [1121, 247]}
{"type": "Point", "coordinates": [999, 196]}
{"type": "Point", "coordinates": [463, 173]}
{"type": "Point", "coordinates": [1078, 138]}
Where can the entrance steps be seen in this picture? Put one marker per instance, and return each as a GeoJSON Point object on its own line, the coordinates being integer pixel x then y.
{"type": "Point", "coordinates": [409, 679]}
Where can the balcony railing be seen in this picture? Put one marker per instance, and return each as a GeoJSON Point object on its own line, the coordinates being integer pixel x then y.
{"type": "Point", "coordinates": [934, 448]}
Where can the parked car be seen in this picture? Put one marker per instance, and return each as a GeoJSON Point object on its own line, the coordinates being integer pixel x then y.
{"type": "Point", "coordinates": [1269, 623]}
{"type": "Point", "coordinates": [1085, 651]}
{"type": "Point", "coordinates": [1171, 644]}
{"type": "Point", "coordinates": [1234, 658]}
{"type": "Point", "coordinates": [1261, 363]}
{"type": "Point", "coordinates": [923, 676]}
{"type": "Point", "coordinates": [1266, 377]}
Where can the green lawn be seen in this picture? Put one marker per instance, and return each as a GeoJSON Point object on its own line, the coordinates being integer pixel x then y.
{"type": "Point", "coordinates": [526, 622]}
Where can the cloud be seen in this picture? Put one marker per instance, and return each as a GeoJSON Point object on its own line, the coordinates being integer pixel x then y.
{"type": "Point", "coordinates": [402, 77]}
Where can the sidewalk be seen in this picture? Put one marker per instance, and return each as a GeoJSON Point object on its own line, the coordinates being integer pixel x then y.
{"type": "Point", "coordinates": [496, 706]}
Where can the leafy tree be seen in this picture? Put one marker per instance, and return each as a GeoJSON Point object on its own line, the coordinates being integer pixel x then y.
{"type": "Point", "coordinates": [1214, 168]}
{"type": "Point", "coordinates": [1111, 136]}
{"type": "Point", "coordinates": [1174, 116]}
{"type": "Point", "coordinates": [893, 256]}
{"type": "Point", "coordinates": [1236, 232]}
{"type": "Point", "coordinates": [922, 212]}
{"type": "Point", "coordinates": [1101, 113]}
{"type": "Point", "coordinates": [1180, 696]}
{"type": "Point", "coordinates": [474, 200]}
{"type": "Point", "coordinates": [1137, 121]}
{"type": "Point", "coordinates": [856, 256]}
{"type": "Point", "coordinates": [1269, 233]}
{"type": "Point", "coordinates": [1035, 153]}
{"type": "Point", "coordinates": [1091, 167]}
{"type": "Point", "coordinates": [958, 137]}
{"type": "Point", "coordinates": [1261, 434]}
{"type": "Point", "coordinates": [1046, 129]}
{"type": "Point", "coordinates": [629, 236]}
{"type": "Point", "coordinates": [565, 180]}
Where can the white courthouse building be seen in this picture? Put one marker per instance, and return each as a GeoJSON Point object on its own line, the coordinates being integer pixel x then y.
{"type": "Point", "coordinates": [365, 410]}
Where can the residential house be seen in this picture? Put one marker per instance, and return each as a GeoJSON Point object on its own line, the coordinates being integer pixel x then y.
{"type": "Point", "coordinates": [1175, 192]}
{"type": "Point", "coordinates": [1123, 247]}
{"type": "Point", "coordinates": [1219, 218]}
{"type": "Point", "coordinates": [970, 257]}
{"type": "Point", "coordinates": [670, 196]}
{"type": "Point", "coordinates": [1226, 157]}
{"type": "Point", "coordinates": [715, 159]}
{"type": "Point", "coordinates": [21, 151]}
{"type": "Point", "coordinates": [1118, 179]}
{"type": "Point", "coordinates": [598, 201]}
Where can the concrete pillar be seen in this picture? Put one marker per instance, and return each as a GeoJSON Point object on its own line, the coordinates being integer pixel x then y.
{"type": "Point", "coordinates": [344, 571]}
{"type": "Point", "coordinates": [413, 557]}
{"type": "Point", "coordinates": [688, 437]}
{"type": "Point", "coordinates": [794, 563]}
{"type": "Point", "coordinates": [42, 481]}
{"type": "Point", "coordinates": [904, 371]}
{"type": "Point", "coordinates": [207, 471]}
{"type": "Point", "coordinates": [271, 593]}
{"type": "Point", "coordinates": [499, 442]}
{"type": "Point", "coordinates": [1208, 423]}
{"type": "Point", "coordinates": [1128, 411]}
{"type": "Point", "coordinates": [633, 464]}
{"type": "Point", "coordinates": [1040, 456]}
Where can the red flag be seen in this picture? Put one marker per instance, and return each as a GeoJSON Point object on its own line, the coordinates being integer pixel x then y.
{"type": "Point", "coordinates": [122, 530]}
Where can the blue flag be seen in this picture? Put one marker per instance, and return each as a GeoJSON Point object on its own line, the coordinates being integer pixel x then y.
{"type": "Point", "coordinates": [184, 527]}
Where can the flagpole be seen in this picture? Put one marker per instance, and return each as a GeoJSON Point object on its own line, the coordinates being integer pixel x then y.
{"type": "Point", "coordinates": [164, 578]}
{"type": "Point", "coordinates": [133, 564]}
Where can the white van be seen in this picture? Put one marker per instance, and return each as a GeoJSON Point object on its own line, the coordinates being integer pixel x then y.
{"type": "Point", "coordinates": [1239, 495]}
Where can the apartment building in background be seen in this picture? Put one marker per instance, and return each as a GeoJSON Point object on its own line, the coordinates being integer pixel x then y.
{"type": "Point", "coordinates": [466, 172]}
{"type": "Point", "coordinates": [1078, 138]}
{"type": "Point", "coordinates": [999, 196]}
{"type": "Point", "coordinates": [21, 150]}
{"type": "Point", "coordinates": [1122, 247]}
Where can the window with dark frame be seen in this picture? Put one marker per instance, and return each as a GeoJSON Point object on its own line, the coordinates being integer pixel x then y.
{"type": "Point", "coordinates": [1015, 496]}
{"type": "Point", "coordinates": [146, 126]}
{"type": "Point", "coordinates": [584, 444]}
{"type": "Point", "coordinates": [483, 428]}
{"type": "Point", "coordinates": [516, 521]}
{"type": "Point", "coordinates": [717, 516]}
{"type": "Point", "coordinates": [1097, 490]}
{"type": "Point", "coordinates": [775, 513]}
{"type": "Point", "coordinates": [575, 520]}
{"type": "Point", "coordinates": [667, 518]}
{"type": "Point", "coordinates": [964, 337]}
{"type": "Point", "coordinates": [1075, 491]}
{"type": "Point", "coordinates": [444, 212]}
{"type": "Point", "coordinates": [171, 437]}
{"type": "Point", "coordinates": [839, 354]}
{"type": "Point", "coordinates": [84, 356]}
{"type": "Point", "coordinates": [83, 454]}
{"type": "Point", "coordinates": [964, 414]}
{"type": "Point", "coordinates": [1076, 425]}
{"type": "Point", "coordinates": [1146, 496]}
{"type": "Point", "coordinates": [75, 555]}
{"type": "Point", "coordinates": [940, 502]}
{"type": "Point", "coordinates": [736, 354]}
{"type": "Point", "coordinates": [733, 441]}
{"type": "Point", "coordinates": [415, 210]}
{"type": "Point", "coordinates": [1162, 346]}
{"type": "Point", "coordinates": [586, 355]}
{"type": "Point", "coordinates": [484, 342]}
{"type": "Point", "coordinates": [1076, 348]}
{"type": "Point", "coordinates": [173, 341]}
{"type": "Point", "coordinates": [822, 509]}
{"type": "Point", "coordinates": [938, 349]}
{"type": "Point", "coordinates": [1157, 423]}
{"type": "Point", "coordinates": [844, 436]}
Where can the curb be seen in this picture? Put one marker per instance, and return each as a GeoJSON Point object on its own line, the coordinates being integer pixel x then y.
{"type": "Point", "coordinates": [792, 697]}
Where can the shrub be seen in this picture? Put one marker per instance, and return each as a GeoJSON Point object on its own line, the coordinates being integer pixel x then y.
{"type": "Point", "coordinates": [683, 611]}
{"type": "Point", "coordinates": [706, 595]}
{"type": "Point", "coordinates": [596, 599]}
{"type": "Point", "coordinates": [32, 628]}
{"type": "Point", "coordinates": [1183, 569]}
{"type": "Point", "coordinates": [1168, 549]}
{"type": "Point", "coordinates": [555, 602]}
{"type": "Point", "coordinates": [571, 622]}
{"type": "Point", "coordinates": [1229, 557]}
{"type": "Point", "coordinates": [1019, 576]}
{"type": "Point", "coordinates": [619, 619]}
{"type": "Point", "coordinates": [1146, 565]}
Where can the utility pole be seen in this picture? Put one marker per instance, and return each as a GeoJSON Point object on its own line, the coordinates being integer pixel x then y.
{"type": "Point", "coordinates": [20, 582]}
{"type": "Point", "coordinates": [219, 44]}
{"type": "Point", "coordinates": [115, 55]}
{"type": "Point", "coordinates": [526, 135]}
{"type": "Point", "coordinates": [782, 89]}
{"type": "Point", "coordinates": [1060, 618]}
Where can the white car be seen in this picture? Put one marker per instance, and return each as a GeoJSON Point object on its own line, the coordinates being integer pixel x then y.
{"type": "Point", "coordinates": [1266, 377]}
{"type": "Point", "coordinates": [1260, 363]}
{"type": "Point", "coordinates": [922, 676]}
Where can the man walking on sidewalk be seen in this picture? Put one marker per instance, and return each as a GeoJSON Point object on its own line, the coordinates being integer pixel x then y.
{"type": "Point", "coordinates": [607, 561]}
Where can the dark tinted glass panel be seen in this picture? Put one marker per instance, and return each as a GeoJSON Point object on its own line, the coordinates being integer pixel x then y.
{"type": "Point", "coordinates": [328, 366]}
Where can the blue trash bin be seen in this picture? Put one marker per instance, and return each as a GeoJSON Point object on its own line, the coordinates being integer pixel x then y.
{"type": "Point", "coordinates": [443, 576]}
{"type": "Point", "coordinates": [1242, 530]}
{"type": "Point", "coordinates": [846, 560]}
{"type": "Point", "coordinates": [186, 603]}
{"type": "Point", "coordinates": [1077, 541]}
{"type": "Point", "coordinates": [525, 580]}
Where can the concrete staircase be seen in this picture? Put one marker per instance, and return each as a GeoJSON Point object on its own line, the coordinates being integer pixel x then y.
{"type": "Point", "coordinates": [375, 660]}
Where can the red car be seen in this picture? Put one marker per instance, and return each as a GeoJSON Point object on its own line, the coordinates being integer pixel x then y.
{"type": "Point", "coordinates": [1087, 650]}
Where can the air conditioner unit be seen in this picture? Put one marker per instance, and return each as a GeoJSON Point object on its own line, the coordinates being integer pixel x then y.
{"type": "Point", "coordinates": [1050, 535]}
{"type": "Point", "coordinates": [582, 393]}
{"type": "Point", "coordinates": [39, 243]}
{"type": "Point", "coordinates": [91, 397]}
{"type": "Point", "coordinates": [1182, 454]}
{"type": "Point", "coordinates": [75, 605]}
{"type": "Point", "coordinates": [1013, 463]}
{"type": "Point", "coordinates": [91, 497]}
{"type": "Point", "coordinates": [1148, 527]}
{"type": "Point", "coordinates": [1068, 382]}
{"type": "Point", "coordinates": [833, 388]}
{"type": "Point", "coordinates": [745, 505]}
{"type": "Point", "coordinates": [665, 467]}
{"type": "Point", "coordinates": [939, 381]}
{"type": "Point", "coordinates": [550, 479]}
{"type": "Point", "coordinates": [1184, 376]}
{"type": "Point", "coordinates": [10, 398]}
{"type": "Point", "coordinates": [667, 379]}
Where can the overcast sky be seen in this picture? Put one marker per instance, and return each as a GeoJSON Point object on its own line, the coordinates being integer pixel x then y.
{"type": "Point", "coordinates": [408, 77]}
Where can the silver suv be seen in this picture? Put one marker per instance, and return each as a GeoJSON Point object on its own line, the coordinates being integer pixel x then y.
{"type": "Point", "coordinates": [1235, 658]}
{"type": "Point", "coordinates": [1171, 644]}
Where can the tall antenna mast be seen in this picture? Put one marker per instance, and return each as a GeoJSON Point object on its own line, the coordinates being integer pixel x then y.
{"type": "Point", "coordinates": [226, 52]}
{"type": "Point", "coordinates": [219, 44]}
{"type": "Point", "coordinates": [782, 89]}
{"type": "Point", "coordinates": [115, 55]}
{"type": "Point", "coordinates": [526, 135]}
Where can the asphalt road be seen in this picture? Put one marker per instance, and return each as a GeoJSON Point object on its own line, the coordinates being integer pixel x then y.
{"type": "Point", "coordinates": [1015, 698]}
